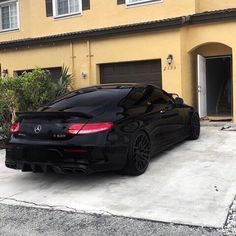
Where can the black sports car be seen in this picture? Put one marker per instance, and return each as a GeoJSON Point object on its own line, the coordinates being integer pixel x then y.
{"type": "Point", "coordinates": [100, 128]}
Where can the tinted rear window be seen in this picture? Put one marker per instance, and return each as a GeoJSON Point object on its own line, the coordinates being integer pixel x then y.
{"type": "Point", "coordinates": [87, 98]}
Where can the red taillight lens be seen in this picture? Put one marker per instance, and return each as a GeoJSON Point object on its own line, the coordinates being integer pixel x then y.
{"type": "Point", "coordinates": [15, 127]}
{"type": "Point", "coordinates": [74, 128]}
{"type": "Point", "coordinates": [89, 128]}
{"type": "Point", "coordinates": [95, 128]}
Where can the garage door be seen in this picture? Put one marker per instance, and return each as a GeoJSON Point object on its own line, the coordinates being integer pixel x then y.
{"type": "Point", "coordinates": [132, 72]}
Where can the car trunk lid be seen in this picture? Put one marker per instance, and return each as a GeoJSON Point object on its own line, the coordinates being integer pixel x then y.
{"type": "Point", "coordinates": [48, 125]}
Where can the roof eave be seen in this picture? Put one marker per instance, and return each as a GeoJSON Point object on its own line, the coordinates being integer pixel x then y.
{"type": "Point", "coordinates": [172, 23]}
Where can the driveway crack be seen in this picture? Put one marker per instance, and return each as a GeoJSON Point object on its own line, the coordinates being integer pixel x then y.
{"type": "Point", "coordinates": [53, 207]}
{"type": "Point", "coordinates": [230, 223]}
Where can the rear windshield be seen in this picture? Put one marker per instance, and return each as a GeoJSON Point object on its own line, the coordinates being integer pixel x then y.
{"type": "Point", "coordinates": [87, 99]}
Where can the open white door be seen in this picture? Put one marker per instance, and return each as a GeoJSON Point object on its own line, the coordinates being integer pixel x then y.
{"type": "Point", "coordinates": [202, 93]}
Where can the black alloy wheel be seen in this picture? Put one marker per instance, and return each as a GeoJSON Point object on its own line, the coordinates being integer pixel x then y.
{"type": "Point", "coordinates": [194, 127]}
{"type": "Point", "coordinates": [139, 156]}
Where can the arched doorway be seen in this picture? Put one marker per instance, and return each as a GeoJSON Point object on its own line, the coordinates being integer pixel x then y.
{"type": "Point", "coordinates": [214, 80]}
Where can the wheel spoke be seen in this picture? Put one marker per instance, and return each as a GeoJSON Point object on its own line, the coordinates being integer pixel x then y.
{"type": "Point", "coordinates": [141, 152]}
{"type": "Point", "coordinates": [195, 126]}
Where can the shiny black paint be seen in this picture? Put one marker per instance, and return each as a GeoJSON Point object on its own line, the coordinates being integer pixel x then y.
{"type": "Point", "coordinates": [131, 108]}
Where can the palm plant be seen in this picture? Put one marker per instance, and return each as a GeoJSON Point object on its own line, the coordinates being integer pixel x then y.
{"type": "Point", "coordinates": [63, 85]}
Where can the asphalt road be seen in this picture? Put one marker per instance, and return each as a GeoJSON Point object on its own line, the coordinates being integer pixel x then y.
{"type": "Point", "coordinates": [27, 221]}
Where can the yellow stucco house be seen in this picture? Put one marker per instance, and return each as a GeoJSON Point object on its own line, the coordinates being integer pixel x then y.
{"type": "Point", "coordinates": [186, 46]}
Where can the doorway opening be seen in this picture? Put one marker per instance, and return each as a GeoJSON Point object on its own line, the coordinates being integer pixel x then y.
{"type": "Point", "coordinates": [219, 86]}
{"type": "Point", "coordinates": [215, 97]}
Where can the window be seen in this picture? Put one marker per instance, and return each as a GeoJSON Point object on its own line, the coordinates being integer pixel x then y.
{"type": "Point", "coordinates": [87, 100]}
{"type": "Point", "coordinates": [161, 100]}
{"type": "Point", "coordinates": [55, 72]}
{"type": "Point", "coordinates": [9, 15]}
{"type": "Point", "coordinates": [135, 2]}
{"type": "Point", "coordinates": [136, 97]}
{"type": "Point", "coordinates": [66, 7]}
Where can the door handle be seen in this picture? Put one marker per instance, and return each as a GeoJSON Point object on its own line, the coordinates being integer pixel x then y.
{"type": "Point", "coordinates": [162, 111]}
{"type": "Point", "coordinates": [199, 88]}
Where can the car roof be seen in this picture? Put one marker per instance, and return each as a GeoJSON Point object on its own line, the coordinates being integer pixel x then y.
{"type": "Point", "coordinates": [121, 85]}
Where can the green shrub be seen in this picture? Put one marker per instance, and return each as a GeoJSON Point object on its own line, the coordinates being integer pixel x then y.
{"type": "Point", "coordinates": [28, 92]}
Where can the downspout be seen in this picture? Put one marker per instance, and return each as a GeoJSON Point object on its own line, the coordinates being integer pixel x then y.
{"type": "Point", "coordinates": [72, 58]}
{"type": "Point", "coordinates": [89, 60]}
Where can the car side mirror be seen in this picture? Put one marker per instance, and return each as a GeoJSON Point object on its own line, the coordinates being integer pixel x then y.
{"type": "Point", "coordinates": [179, 101]}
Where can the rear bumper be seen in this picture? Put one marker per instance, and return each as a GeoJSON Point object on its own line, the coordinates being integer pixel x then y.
{"type": "Point", "coordinates": [65, 160]}
{"type": "Point", "coordinates": [48, 167]}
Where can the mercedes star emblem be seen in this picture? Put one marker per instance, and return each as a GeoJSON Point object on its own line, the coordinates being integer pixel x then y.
{"type": "Point", "coordinates": [37, 129]}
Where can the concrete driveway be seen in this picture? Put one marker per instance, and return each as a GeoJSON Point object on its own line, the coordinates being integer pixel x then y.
{"type": "Point", "coordinates": [193, 183]}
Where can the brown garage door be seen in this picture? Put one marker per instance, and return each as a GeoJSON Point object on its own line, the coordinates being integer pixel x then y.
{"type": "Point", "coordinates": [132, 72]}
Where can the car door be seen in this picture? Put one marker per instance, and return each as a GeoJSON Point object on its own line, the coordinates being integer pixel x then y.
{"type": "Point", "coordinates": [169, 118]}
{"type": "Point", "coordinates": [141, 113]}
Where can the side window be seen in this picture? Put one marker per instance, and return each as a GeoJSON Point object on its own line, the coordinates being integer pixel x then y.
{"type": "Point", "coordinates": [134, 98]}
{"type": "Point", "coordinates": [168, 100]}
{"type": "Point", "coordinates": [158, 97]}
{"type": "Point", "coordinates": [161, 100]}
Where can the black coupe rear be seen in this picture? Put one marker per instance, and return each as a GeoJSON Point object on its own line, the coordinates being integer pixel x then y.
{"type": "Point", "coordinates": [100, 128]}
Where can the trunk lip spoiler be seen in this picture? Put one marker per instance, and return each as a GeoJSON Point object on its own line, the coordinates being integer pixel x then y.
{"type": "Point", "coordinates": [53, 114]}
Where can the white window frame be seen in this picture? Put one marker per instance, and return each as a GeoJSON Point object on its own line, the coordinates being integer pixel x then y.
{"type": "Point", "coordinates": [130, 3]}
{"type": "Point", "coordinates": [55, 10]}
{"type": "Point", "coordinates": [7, 3]}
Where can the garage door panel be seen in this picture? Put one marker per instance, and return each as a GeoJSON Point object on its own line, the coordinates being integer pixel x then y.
{"type": "Point", "coordinates": [109, 70]}
{"type": "Point", "coordinates": [132, 72]}
{"type": "Point", "coordinates": [122, 69]}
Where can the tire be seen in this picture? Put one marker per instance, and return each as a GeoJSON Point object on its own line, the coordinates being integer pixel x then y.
{"type": "Point", "coordinates": [194, 126]}
{"type": "Point", "coordinates": [139, 155]}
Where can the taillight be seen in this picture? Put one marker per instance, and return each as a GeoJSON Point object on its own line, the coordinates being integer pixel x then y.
{"type": "Point", "coordinates": [95, 128]}
{"type": "Point", "coordinates": [89, 128]}
{"type": "Point", "coordinates": [15, 127]}
{"type": "Point", "coordinates": [74, 128]}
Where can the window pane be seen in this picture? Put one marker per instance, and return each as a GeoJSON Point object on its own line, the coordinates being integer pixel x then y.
{"type": "Point", "coordinates": [74, 6]}
{"type": "Point", "coordinates": [13, 16]}
{"type": "Point", "coordinates": [5, 17]}
{"type": "Point", "coordinates": [63, 7]}
{"type": "Point", "coordinates": [136, 97]}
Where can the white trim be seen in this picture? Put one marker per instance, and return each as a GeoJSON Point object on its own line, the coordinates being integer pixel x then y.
{"type": "Point", "coordinates": [7, 2]}
{"type": "Point", "coordinates": [55, 11]}
{"type": "Point", "coordinates": [18, 14]}
{"type": "Point", "coordinates": [217, 57]}
{"type": "Point", "coordinates": [202, 86]}
{"type": "Point", "coordinates": [67, 15]}
{"type": "Point", "coordinates": [64, 17]}
{"type": "Point", "coordinates": [9, 30]}
{"type": "Point", "coordinates": [141, 2]}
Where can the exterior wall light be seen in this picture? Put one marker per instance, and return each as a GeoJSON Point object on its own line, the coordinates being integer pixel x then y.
{"type": "Point", "coordinates": [83, 75]}
{"type": "Point", "coordinates": [169, 59]}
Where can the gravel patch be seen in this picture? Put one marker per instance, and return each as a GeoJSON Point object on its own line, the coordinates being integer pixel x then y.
{"type": "Point", "coordinates": [27, 221]}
